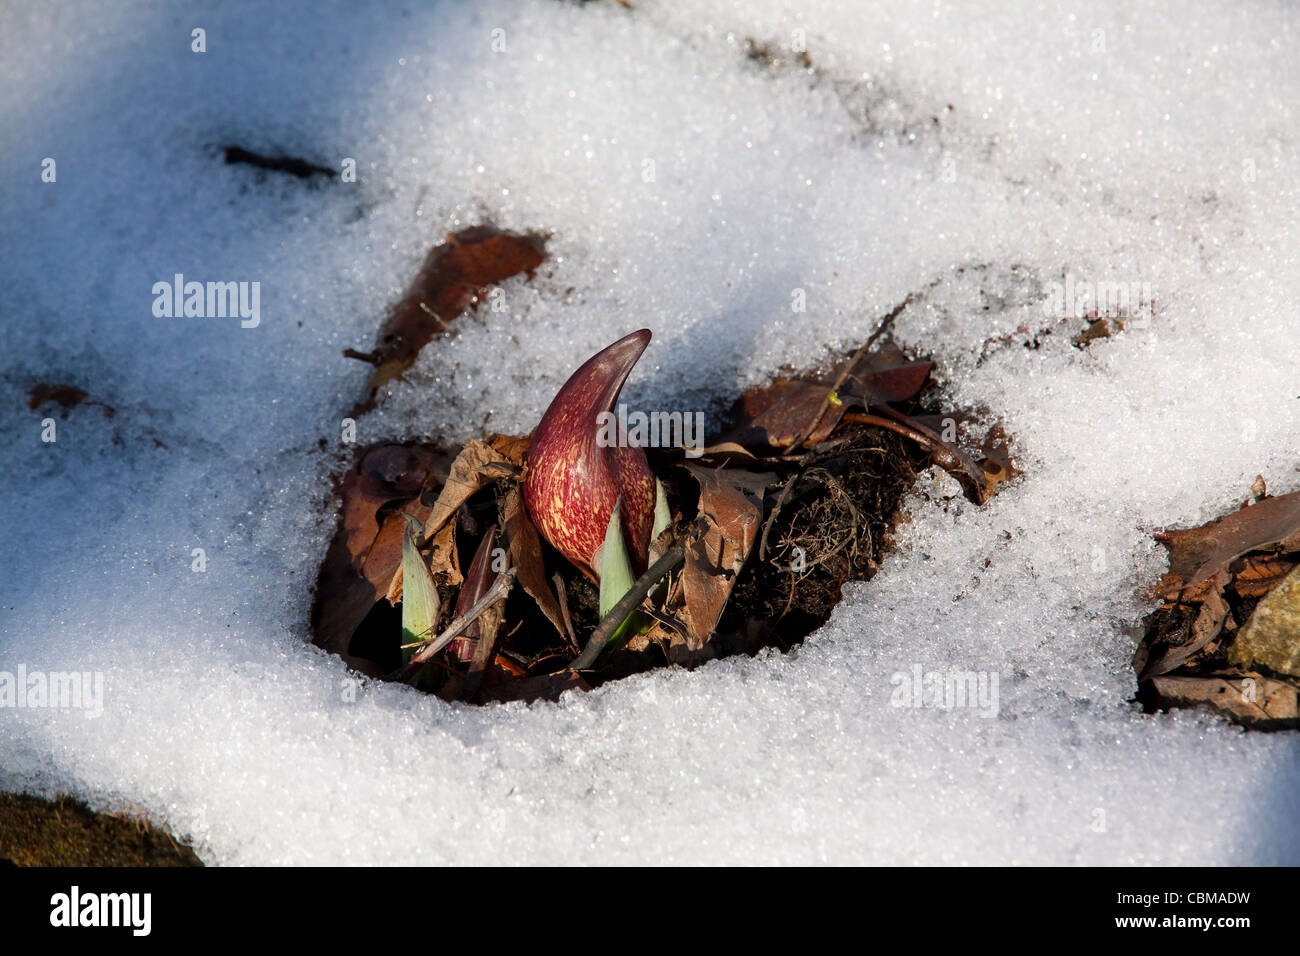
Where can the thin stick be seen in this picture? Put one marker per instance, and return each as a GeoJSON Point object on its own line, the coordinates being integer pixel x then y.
{"type": "Point", "coordinates": [667, 563]}
{"type": "Point", "coordinates": [667, 620]}
{"type": "Point", "coordinates": [564, 610]}
{"type": "Point", "coordinates": [500, 588]}
{"type": "Point", "coordinates": [943, 453]}
{"type": "Point", "coordinates": [776, 510]}
{"type": "Point", "coordinates": [489, 627]}
{"type": "Point", "coordinates": [885, 323]}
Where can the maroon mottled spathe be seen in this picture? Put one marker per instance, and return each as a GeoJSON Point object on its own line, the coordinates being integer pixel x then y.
{"type": "Point", "coordinates": [572, 484]}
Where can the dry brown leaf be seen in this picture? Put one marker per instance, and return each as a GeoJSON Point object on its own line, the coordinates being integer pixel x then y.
{"type": "Point", "coordinates": [1196, 554]}
{"type": "Point", "coordinates": [727, 449]}
{"type": "Point", "coordinates": [363, 557]}
{"type": "Point", "coordinates": [526, 553]}
{"type": "Point", "coordinates": [781, 413]}
{"type": "Point", "coordinates": [731, 509]}
{"type": "Point", "coordinates": [513, 447]}
{"type": "Point", "coordinates": [885, 375]}
{"type": "Point", "coordinates": [444, 559]}
{"type": "Point", "coordinates": [1251, 699]}
{"type": "Point", "coordinates": [477, 466]}
{"type": "Point", "coordinates": [659, 633]}
{"type": "Point", "coordinates": [1256, 574]}
{"type": "Point", "coordinates": [805, 411]}
{"type": "Point", "coordinates": [1205, 627]}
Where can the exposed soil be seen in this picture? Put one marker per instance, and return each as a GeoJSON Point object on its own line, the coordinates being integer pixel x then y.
{"type": "Point", "coordinates": [65, 832]}
{"type": "Point", "coordinates": [824, 514]}
{"type": "Point", "coordinates": [836, 521]}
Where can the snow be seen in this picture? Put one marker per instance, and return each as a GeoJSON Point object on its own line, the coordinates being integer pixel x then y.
{"type": "Point", "coordinates": [973, 155]}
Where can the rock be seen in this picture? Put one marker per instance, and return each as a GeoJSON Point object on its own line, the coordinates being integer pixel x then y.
{"type": "Point", "coordinates": [1271, 638]}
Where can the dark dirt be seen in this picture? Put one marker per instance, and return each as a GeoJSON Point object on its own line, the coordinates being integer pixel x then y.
{"type": "Point", "coordinates": [292, 165]}
{"type": "Point", "coordinates": [838, 513]}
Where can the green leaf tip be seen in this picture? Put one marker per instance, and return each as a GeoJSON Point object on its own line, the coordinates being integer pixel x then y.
{"type": "Point", "coordinates": [420, 604]}
{"type": "Point", "coordinates": [615, 567]}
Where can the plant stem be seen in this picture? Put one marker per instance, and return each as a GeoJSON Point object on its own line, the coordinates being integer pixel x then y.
{"type": "Point", "coordinates": [668, 562]}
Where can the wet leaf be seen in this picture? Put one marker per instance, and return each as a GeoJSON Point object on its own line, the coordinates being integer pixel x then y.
{"type": "Point", "coordinates": [1196, 554]}
{"type": "Point", "coordinates": [1250, 699]}
{"type": "Point", "coordinates": [455, 275]}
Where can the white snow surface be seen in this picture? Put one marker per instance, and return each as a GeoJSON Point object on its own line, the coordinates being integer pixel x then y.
{"type": "Point", "coordinates": [968, 154]}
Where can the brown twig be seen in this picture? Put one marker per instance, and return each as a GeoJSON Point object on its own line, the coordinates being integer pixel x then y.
{"type": "Point", "coordinates": [668, 562]}
{"type": "Point", "coordinates": [667, 620]}
{"type": "Point", "coordinates": [848, 368]}
{"type": "Point", "coordinates": [944, 455]}
{"type": "Point", "coordinates": [776, 510]}
{"type": "Point", "coordinates": [562, 594]}
{"type": "Point", "coordinates": [483, 652]}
